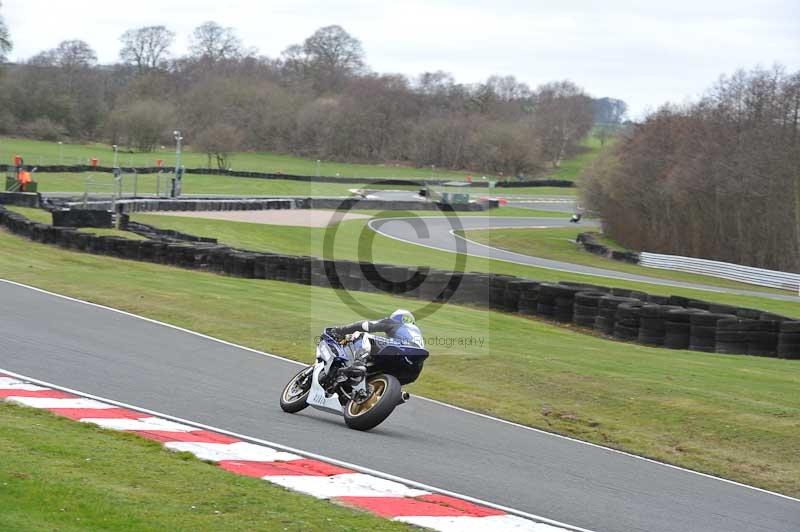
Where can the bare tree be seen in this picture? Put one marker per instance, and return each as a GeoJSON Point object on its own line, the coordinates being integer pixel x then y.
{"type": "Point", "coordinates": [715, 179]}
{"type": "Point", "coordinates": [508, 88]}
{"type": "Point", "coordinates": [146, 48]}
{"type": "Point", "coordinates": [74, 54]}
{"type": "Point", "coordinates": [143, 124]}
{"type": "Point", "coordinates": [212, 42]}
{"type": "Point", "coordinates": [562, 116]}
{"type": "Point", "coordinates": [329, 57]}
{"type": "Point", "coordinates": [5, 40]}
{"type": "Point", "coordinates": [219, 142]}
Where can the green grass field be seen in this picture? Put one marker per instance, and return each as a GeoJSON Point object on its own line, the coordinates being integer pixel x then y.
{"type": "Point", "coordinates": [57, 474]}
{"type": "Point", "coordinates": [734, 416]}
{"type": "Point", "coordinates": [559, 244]}
{"type": "Point", "coordinates": [354, 240]}
{"type": "Point", "coordinates": [148, 184]}
{"type": "Point", "coordinates": [571, 167]}
{"type": "Point", "coordinates": [37, 152]}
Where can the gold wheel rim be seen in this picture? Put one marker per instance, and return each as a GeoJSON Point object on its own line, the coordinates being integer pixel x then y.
{"type": "Point", "coordinates": [293, 384]}
{"type": "Point", "coordinates": [378, 389]}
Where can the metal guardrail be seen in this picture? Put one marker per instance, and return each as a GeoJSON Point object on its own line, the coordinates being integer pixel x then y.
{"type": "Point", "coordinates": [725, 270]}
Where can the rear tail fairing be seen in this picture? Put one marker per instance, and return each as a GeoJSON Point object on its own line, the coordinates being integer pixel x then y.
{"type": "Point", "coordinates": [403, 361]}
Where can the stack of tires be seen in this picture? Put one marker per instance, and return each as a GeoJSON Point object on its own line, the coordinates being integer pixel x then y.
{"type": "Point", "coordinates": [497, 291]}
{"type": "Point", "coordinates": [734, 335]}
{"type": "Point", "coordinates": [514, 292]}
{"type": "Point", "coordinates": [587, 308]}
{"type": "Point", "coordinates": [764, 340]}
{"type": "Point", "coordinates": [677, 327]}
{"type": "Point", "coordinates": [789, 340]}
{"type": "Point", "coordinates": [703, 331]}
{"type": "Point", "coordinates": [529, 298]}
{"type": "Point", "coordinates": [474, 289]}
{"type": "Point", "coordinates": [435, 285]}
{"type": "Point", "coordinates": [624, 292]}
{"type": "Point", "coordinates": [626, 324]}
{"type": "Point", "coordinates": [653, 323]}
{"type": "Point", "coordinates": [607, 313]}
{"type": "Point", "coordinates": [565, 300]}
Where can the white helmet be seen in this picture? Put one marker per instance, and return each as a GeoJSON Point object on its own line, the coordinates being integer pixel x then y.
{"type": "Point", "coordinates": [403, 316]}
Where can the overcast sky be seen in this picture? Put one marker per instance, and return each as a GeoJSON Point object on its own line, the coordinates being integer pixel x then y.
{"type": "Point", "coordinates": [638, 51]}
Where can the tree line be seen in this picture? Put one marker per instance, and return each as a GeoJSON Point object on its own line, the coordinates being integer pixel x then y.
{"type": "Point", "coordinates": [717, 179]}
{"type": "Point", "coordinates": [319, 99]}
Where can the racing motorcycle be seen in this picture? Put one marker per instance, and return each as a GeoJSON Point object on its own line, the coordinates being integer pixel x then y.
{"type": "Point", "coordinates": [360, 378]}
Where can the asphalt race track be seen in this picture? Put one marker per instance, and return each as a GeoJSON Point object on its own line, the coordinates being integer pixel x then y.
{"type": "Point", "coordinates": [150, 365]}
{"type": "Point", "coordinates": [435, 232]}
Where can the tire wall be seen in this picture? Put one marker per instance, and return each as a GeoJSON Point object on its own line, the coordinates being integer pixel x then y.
{"type": "Point", "coordinates": [669, 322]}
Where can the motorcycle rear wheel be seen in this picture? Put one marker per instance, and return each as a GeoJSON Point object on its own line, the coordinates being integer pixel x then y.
{"type": "Point", "coordinates": [386, 394]}
{"type": "Point", "coordinates": [292, 401]}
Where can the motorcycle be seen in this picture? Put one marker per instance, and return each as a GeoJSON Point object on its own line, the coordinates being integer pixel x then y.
{"type": "Point", "coordinates": [360, 379]}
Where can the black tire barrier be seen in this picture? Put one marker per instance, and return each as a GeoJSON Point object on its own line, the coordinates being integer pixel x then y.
{"type": "Point", "coordinates": [607, 313]}
{"type": "Point", "coordinates": [626, 324]}
{"type": "Point", "coordinates": [652, 324]}
{"type": "Point", "coordinates": [703, 331]}
{"type": "Point", "coordinates": [678, 301]}
{"type": "Point", "coordinates": [698, 304]}
{"type": "Point", "coordinates": [560, 295]}
{"type": "Point", "coordinates": [718, 308]}
{"type": "Point", "coordinates": [497, 290]}
{"type": "Point", "coordinates": [734, 335]}
{"type": "Point", "coordinates": [586, 308]}
{"type": "Point", "coordinates": [635, 318]}
{"type": "Point", "coordinates": [529, 298]}
{"type": "Point", "coordinates": [677, 327]}
{"type": "Point", "coordinates": [82, 218]}
{"type": "Point", "coordinates": [789, 340]}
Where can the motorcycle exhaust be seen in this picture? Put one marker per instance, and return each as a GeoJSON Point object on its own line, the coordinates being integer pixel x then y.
{"type": "Point", "coordinates": [404, 397]}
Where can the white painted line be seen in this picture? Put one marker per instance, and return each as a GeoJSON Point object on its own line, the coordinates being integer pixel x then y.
{"type": "Point", "coordinates": [216, 452]}
{"type": "Point", "coordinates": [345, 485]}
{"type": "Point", "coordinates": [491, 523]}
{"type": "Point", "coordinates": [49, 402]}
{"type": "Point", "coordinates": [179, 446]}
{"type": "Point", "coordinates": [7, 383]}
{"type": "Point", "coordinates": [345, 464]}
{"type": "Point", "coordinates": [145, 423]}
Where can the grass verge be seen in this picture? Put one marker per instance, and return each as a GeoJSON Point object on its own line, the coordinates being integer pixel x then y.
{"type": "Point", "coordinates": [57, 474]}
{"type": "Point", "coordinates": [733, 416]}
{"type": "Point", "coordinates": [36, 152]}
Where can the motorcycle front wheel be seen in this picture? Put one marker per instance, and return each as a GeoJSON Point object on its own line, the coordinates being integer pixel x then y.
{"type": "Point", "coordinates": [294, 397]}
{"type": "Point", "coordinates": [385, 393]}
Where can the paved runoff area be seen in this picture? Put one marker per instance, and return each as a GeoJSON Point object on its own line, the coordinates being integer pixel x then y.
{"type": "Point", "coordinates": [296, 217]}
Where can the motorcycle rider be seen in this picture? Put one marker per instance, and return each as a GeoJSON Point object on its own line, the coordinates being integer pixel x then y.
{"type": "Point", "coordinates": [400, 327]}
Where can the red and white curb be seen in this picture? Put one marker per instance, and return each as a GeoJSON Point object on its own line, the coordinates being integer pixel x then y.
{"type": "Point", "coordinates": [386, 498]}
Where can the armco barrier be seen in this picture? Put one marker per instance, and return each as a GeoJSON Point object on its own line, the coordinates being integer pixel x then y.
{"type": "Point", "coordinates": [725, 270]}
{"type": "Point", "coordinates": [672, 322]}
